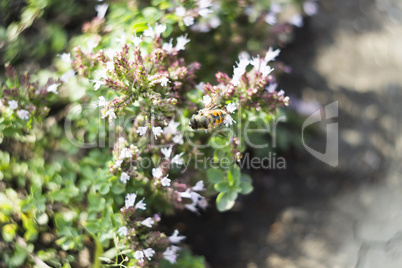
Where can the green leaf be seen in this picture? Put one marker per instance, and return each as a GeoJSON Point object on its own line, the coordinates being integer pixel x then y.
{"type": "Point", "coordinates": [152, 14]}
{"type": "Point", "coordinates": [215, 175]}
{"type": "Point", "coordinates": [104, 189]}
{"type": "Point", "coordinates": [245, 178]}
{"type": "Point", "coordinates": [93, 227]}
{"type": "Point", "coordinates": [245, 188]}
{"type": "Point", "coordinates": [8, 232]}
{"type": "Point", "coordinates": [222, 186]}
{"type": "Point", "coordinates": [223, 202]}
{"type": "Point", "coordinates": [234, 175]}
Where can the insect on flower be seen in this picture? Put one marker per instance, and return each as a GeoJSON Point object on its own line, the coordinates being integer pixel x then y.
{"type": "Point", "coordinates": [208, 118]}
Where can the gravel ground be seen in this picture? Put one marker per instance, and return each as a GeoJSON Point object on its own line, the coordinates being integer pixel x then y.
{"type": "Point", "coordinates": [313, 215]}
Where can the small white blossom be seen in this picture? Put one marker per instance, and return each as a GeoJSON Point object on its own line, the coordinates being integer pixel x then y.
{"type": "Point", "coordinates": [199, 186]}
{"type": "Point", "coordinates": [137, 40]}
{"type": "Point", "coordinates": [165, 181]}
{"type": "Point", "coordinates": [118, 163]}
{"type": "Point", "coordinates": [109, 53]}
{"type": "Point", "coordinates": [149, 253]}
{"type": "Point", "coordinates": [180, 11]}
{"type": "Point", "coordinates": [281, 92]}
{"type": "Point", "coordinates": [181, 42]}
{"type": "Point", "coordinates": [13, 104]}
{"type": "Point", "coordinates": [53, 88]}
{"type": "Point", "coordinates": [203, 203]}
{"type": "Point", "coordinates": [168, 46]}
{"type": "Point", "coordinates": [148, 222]}
{"type": "Point", "coordinates": [231, 107]}
{"type": "Point", "coordinates": [167, 151]}
{"type": "Point", "coordinates": [191, 207]}
{"type": "Point", "coordinates": [171, 128]}
{"type": "Point", "coordinates": [206, 100]}
{"type": "Point", "coordinates": [122, 231]}
{"type": "Point", "coordinates": [126, 153]}
{"type": "Point", "coordinates": [265, 70]}
{"type": "Point", "coordinates": [296, 20]}
{"type": "Point", "coordinates": [130, 200]}
{"type": "Point", "coordinates": [157, 172]}
{"type": "Point", "coordinates": [139, 256]}
{"type": "Point", "coordinates": [186, 194]}
{"type": "Point", "coordinates": [102, 73]}
{"type": "Point", "coordinates": [275, 8]}
{"type": "Point", "coordinates": [178, 139]}
{"type": "Point", "coordinates": [228, 120]}
{"type": "Point", "coordinates": [157, 131]}
{"type": "Point", "coordinates": [98, 84]}
{"type": "Point", "coordinates": [67, 76]}
{"type": "Point", "coordinates": [142, 130]}
{"type": "Point", "coordinates": [124, 177]}
{"type": "Point", "coordinates": [239, 71]}
{"type": "Point", "coordinates": [109, 113]}
{"type": "Point", "coordinates": [23, 114]}
{"type": "Point", "coordinates": [110, 66]}
{"type": "Point", "coordinates": [102, 102]}
{"type": "Point", "coordinates": [154, 32]}
{"type": "Point", "coordinates": [66, 57]}
{"type": "Point", "coordinates": [177, 159]}
{"type": "Point", "coordinates": [271, 54]}
{"type": "Point", "coordinates": [188, 20]}
{"type": "Point", "coordinates": [122, 39]}
{"type": "Point", "coordinates": [164, 81]}
{"type": "Point", "coordinates": [91, 45]}
{"type": "Point", "coordinates": [141, 205]}
{"type": "Point", "coordinates": [286, 101]}
{"type": "Point", "coordinates": [101, 10]}
{"type": "Point", "coordinates": [175, 238]}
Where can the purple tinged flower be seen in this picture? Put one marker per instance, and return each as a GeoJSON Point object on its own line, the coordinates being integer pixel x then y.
{"type": "Point", "coordinates": [272, 87]}
{"type": "Point", "coordinates": [270, 18]}
{"type": "Point", "coordinates": [170, 254]}
{"type": "Point", "coordinates": [148, 222]}
{"type": "Point", "coordinates": [23, 114]}
{"type": "Point", "coordinates": [53, 88]}
{"type": "Point", "coordinates": [13, 104]}
{"type": "Point", "coordinates": [175, 238]}
{"type": "Point", "coordinates": [122, 231]}
{"type": "Point", "coordinates": [101, 10]}
{"type": "Point", "coordinates": [124, 177]}
{"type": "Point", "coordinates": [296, 20]}
{"type": "Point", "coordinates": [281, 92]}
